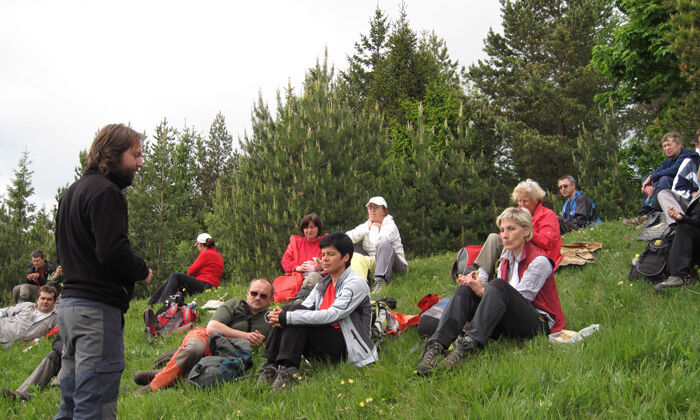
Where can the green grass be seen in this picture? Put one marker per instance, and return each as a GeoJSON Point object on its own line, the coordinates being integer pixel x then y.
{"type": "Point", "coordinates": [643, 363]}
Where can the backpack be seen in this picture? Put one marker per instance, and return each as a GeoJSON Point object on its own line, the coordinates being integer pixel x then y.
{"type": "Point", "coordinates": [231, 358]}
{"type": "Point", "coordinates": [652, 264]}
{"type": "Point", "coordinates": [383, 321]}
{"type": "Point", "coordinates": [429, 319]}
{"type": "Point", "coordinates": [287, 286]}
{"type": "Point", "coordinates": [173, 317]}
{"type": "Point", "coordinates": [464, 264]}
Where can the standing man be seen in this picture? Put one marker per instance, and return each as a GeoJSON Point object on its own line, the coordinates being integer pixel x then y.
{"type": "Point", "coordinates": [578, 210]}
{"type": "Point", "coordinates": [100, 271]}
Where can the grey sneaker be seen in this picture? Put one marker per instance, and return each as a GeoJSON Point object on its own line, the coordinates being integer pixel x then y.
{"type": "Point", "coordinates": [431, 351]}
{"type": "Point", "coordinates": [463, 346]}
{"type": "Point", "coordinates": [672, 281]}
{"type": "Point", "coordinates": [268, 373]}
{"type": "Point", "coordinates": [379, 283]}
{"type": "Point", "coordinates": [286, 378]}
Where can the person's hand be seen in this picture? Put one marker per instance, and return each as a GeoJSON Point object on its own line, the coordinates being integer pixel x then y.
{"type": "Point", "coordinates": [307, 266]}
{"type": "Point", "coordinates": [58, 273]}
{"type": "Point", "coordinates": [147, 281]}
{"type": "Point", "coordinates": [32, 276]}
{"type": "Point", "coordinates": [648, 190]}
{"type": "Point", "coordinates": [273, 317]}
{"type": "Point", "coordinates": [255, 338]}
{"type": "Point", "coordinates": [473, 281]}
{"type": "Point", "coordinates": [674, 214]}
{"type": "Point", "coordinates": [462, 279]}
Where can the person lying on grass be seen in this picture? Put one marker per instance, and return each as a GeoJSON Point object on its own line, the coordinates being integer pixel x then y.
{"type": "Point", "coordinates": [332, 323]}
{"type": "Point", "coordinates": [521, 302]}
{"type": "Point", "coordinates": [234, 319]}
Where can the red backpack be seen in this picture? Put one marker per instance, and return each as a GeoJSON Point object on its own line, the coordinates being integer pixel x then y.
{"type": "Point", "coordinates": [177, 317]}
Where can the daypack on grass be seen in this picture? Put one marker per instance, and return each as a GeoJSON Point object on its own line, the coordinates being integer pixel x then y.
{"type": "Point", "coordinates": [465, 260]}
{"type": "Point", "coordinates": [429, 318]}
{"type": "Point", "coordinates": [652, 264]}
{"type": "Point", "coordinates": [387, 322]}
{"type": "Point", "coordinates": [231, 358]}
{"type": "Point", "coordinates": [176, 317]}
{"type": "Point", "coordinates": [287, 286]}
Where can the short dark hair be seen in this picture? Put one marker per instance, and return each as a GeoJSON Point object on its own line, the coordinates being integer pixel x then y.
{"type": "Point", "coordinates": [311, 218]}
{"type": "Point", "coordinates": [109, 145]}
{"type": "Point", "coordinates": [50, 290]}
{"type": "Point", "coordinates": [672, 136]}
{"type": "Point", "coordinates": [38, 254]}
{"type": "Point", "coordinates": [341, 242]}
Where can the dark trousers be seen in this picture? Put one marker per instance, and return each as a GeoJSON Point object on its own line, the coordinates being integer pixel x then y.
{"type": "Point", "coordinates": [502, 310]}
{"type": "Point", "coordinates": [685, 250]}
{"type": "Point", "coordinates": [285, 346]}
{"type": "Point", "coordinates": [190, 285]}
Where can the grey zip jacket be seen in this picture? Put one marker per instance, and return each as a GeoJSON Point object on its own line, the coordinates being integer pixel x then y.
{"type": "Point", "coordinates": [351, 310]}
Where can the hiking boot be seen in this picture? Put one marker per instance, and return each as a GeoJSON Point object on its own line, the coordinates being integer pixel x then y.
{"type": "Point", "coordinates": [287, 376]}
{"type": "Point", "coordinates": [379, 283]}
{"type": "Point", "coordinates": [13, 395]}
{"type": "Point", "coordinates": [672, 281]}
{"type": "Point", "coordinates": [144, 377]}
{"type": "Point", "coordinates": [635, 221]}
{"type": "Point", "coordinates": [268, 373]}
{"type": "Point", "coordinates": [431, 351]}
{"type": "Point", "coordinates": [463, 346]}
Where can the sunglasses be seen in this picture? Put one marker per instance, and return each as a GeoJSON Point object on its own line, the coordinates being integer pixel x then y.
{"type": "Point", "coordinates": [564, 187]}
{"type": "Point", "coordinates": [255, 294]}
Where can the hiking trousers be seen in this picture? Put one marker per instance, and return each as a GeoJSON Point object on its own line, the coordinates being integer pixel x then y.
{"type": "Point", "coordinates": [176, 281]}
{"type": "Point", "coordinates": [685, 250]}
{"type": "Point", "coordinates": [194, 346]}
{"type": "Point", "coordinates": [48, 368]}
{"type": "Point", "coordinates": [502, 310]}
{"type": "Point", "coordinates": [92, 334]}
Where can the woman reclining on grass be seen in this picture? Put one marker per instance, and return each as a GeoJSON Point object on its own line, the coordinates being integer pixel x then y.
{"type": "Point", "coordinates": [522, 302]}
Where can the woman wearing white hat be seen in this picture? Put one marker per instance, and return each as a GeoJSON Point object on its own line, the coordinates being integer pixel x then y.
{"type": "Point", "coordinates": [381, 243]}
{"type": "Point", "coordinates": [204, 273]}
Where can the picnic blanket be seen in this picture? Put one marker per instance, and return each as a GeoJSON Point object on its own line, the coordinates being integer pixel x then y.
{"type": "Point", "coordinates": [578, 253]}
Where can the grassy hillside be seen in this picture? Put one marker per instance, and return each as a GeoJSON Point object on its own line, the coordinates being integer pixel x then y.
{"type": "Point", "coordinates": [643, 363]}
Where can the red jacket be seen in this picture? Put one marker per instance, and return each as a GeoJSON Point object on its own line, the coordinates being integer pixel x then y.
{"type": "Point", "coordinates": [208, 267]}
{"type": "Point", "coordinates": [546, 235]}
{"type": "Point", "coordinates": [298, 251]}
{"type": "Point", "coordinates": [547, 298]}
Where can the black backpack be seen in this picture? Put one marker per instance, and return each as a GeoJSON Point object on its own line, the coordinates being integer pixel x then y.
{"type": "Point", "coordinates": [231, 358]}
{"type": "Point", "coordinates": [652, 264]}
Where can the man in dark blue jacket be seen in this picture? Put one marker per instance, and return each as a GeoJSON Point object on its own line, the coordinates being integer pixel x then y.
{"type": "Point", "coordinates": [578, 210]}
{"type": "Point", "coordinates": [678, 174]}
{"type": "Point", "coordinates": [100, 270]}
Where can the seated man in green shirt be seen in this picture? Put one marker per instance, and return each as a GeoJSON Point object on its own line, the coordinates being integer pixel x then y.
{"type": "Point", "coordinates": [234, 319]}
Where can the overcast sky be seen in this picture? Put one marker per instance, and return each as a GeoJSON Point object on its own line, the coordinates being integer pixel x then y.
{"type": "Point", "coordinates": [68, 68]}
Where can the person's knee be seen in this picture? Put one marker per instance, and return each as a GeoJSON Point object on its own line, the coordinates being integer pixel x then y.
{"type": "Point", "coordinates": [384, 244]}
{"type": "Point", "coordinates": [498, 285]}
{"type": "Point", "coordinates": [464, 292]}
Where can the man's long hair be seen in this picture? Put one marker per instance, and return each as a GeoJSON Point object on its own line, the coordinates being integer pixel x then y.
{"type": "Point", "coordinates": [109, 145]}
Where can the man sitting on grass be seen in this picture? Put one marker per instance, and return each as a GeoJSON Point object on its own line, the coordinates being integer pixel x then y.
{"type": "Point", "coordinates": [28, 320]}
{"type": "Point", "coordinates": [234, 319]}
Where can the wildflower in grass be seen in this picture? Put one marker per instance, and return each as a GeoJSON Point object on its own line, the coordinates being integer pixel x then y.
{"type": "Point", "coordinates": [369, 399]}
{"type": "Point", "coordinates": [362, 403]}
{"type": "Point", "coordinates": [620, 283]}
{"type": "Point", "coordinates": [350, 381]}
{"type": "Point", "coordinates": [342, 381]}
{"type": "Point", "coordinates": [238, 413]}
{"type": "Point", "coordinates": [340, 395]}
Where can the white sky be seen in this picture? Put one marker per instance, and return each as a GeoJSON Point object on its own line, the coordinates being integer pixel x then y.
{"type": "Point", "coordinates": [68, 67]}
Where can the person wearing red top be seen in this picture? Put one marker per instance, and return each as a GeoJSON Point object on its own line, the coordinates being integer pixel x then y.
{"type": "Point", "coordinates": [522, 302]}
{"type": "Point", "coordinates": [300, 254]}
{"type": "Point", "coordinates": [546, 235]}
{"type": "Point", "coordinates": [204, 273]}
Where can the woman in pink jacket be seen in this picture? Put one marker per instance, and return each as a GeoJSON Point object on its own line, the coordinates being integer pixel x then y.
{"type": "Point", "coordinates": [301, 252]}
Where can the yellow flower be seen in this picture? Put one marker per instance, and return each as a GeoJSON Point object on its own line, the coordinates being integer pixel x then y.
{"type": "Point", "coordinates": [350, 381]}
{"type": "Point", "coordinates": [619, 283]}
{"type": "Point", "coordinates": [342, 381]}
{"type": "Point", "coordinates": [369, 399]}
{"type": "Point", "coordinates": [362, 403]}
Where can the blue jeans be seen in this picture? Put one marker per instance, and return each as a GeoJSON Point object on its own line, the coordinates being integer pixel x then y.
{"type": "Point", "coordinates": [93, 359]}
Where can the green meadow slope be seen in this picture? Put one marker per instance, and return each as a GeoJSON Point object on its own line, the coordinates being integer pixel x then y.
{"type": "Point", "coordinates": [643, 363]}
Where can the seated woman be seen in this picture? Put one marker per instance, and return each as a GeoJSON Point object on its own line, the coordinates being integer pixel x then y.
{"type": "Point", "coordinates": [545, 235]}
{"type": "Point", "coordinates": [522, 302]}
{"type": "Point", "coordinates": [333, 323]}
{"type": "Point", "coordinates": [685, 249]}
{"type": "Point", "coordinates": [204, 273]}
{"type": "Point", "coordinates": [300, 254]}
{"type": "Point", "coordinates": [381, 241]}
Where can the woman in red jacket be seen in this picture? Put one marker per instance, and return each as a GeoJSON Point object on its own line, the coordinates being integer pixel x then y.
{"type": "Point", "coordinates": [522, 302]}
{"type": "Point", "coordinates": [298, 259]}
{"type": "Point", "coordinates": [204, 273]}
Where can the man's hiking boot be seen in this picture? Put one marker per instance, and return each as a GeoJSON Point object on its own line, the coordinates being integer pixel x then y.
{"type": "Point", "coordinates": [286, 378]}
{"type": "Point", "coordinates": [672, 281]}
{"type": "Point", "coordinates": [431, 351]}
{"type": "Point", "coordinates": [144, 377]}
{"type": "Point", "coordinates": [463, 346]}
{"type": "Point", "coordinates": [635, 221]}
{"type": "Point", "coordinates": [379, 283]}
{"type": "Point", "coordinates": [268, 373]}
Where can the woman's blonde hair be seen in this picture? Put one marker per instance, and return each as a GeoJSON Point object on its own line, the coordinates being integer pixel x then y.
{"type": "Point", "coordinates": [531, 188]}
{"type": "Point", "coordinates": [521, 217]}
